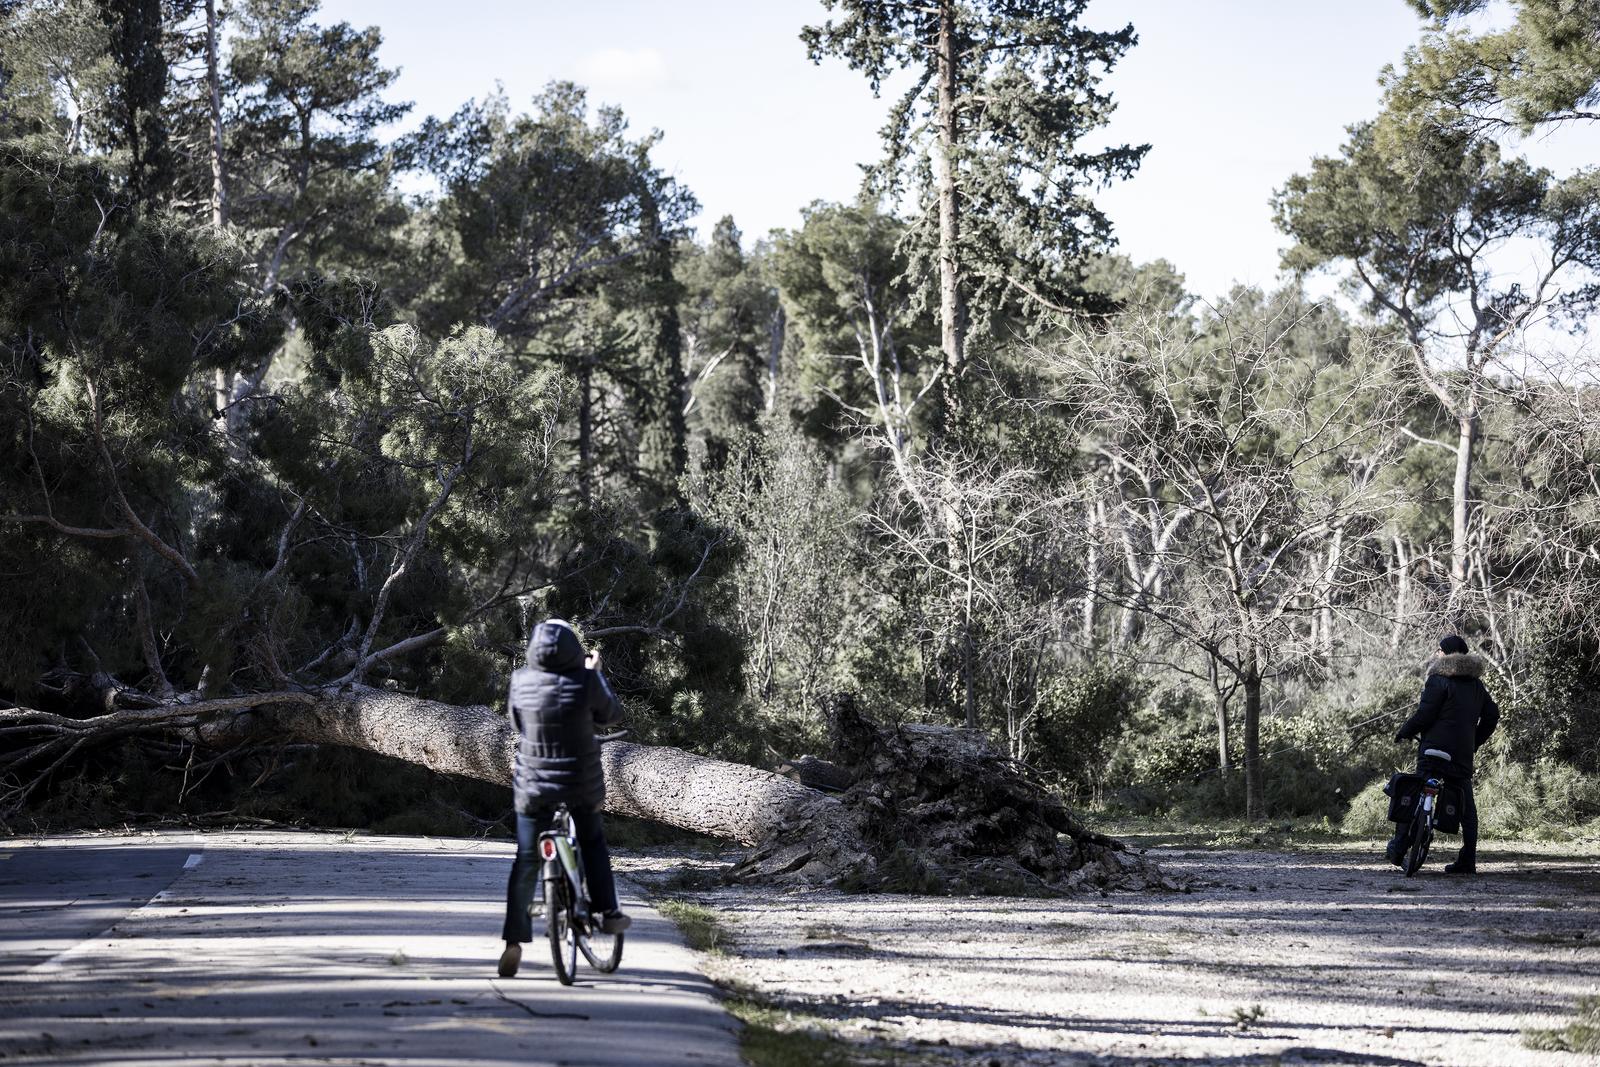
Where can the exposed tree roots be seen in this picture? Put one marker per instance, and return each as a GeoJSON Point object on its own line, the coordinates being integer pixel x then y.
{"type": "Point", "coordinates": [938, 809]}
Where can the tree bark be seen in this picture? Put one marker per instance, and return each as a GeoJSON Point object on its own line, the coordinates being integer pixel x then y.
{"type": "Point", "coordinates": [775, 337]}
{"type": "Point", "coordinates": [1402, 593]}
{"type": "Point", "coordinates": [1461, 507]}
{"type": "Point", "coordinates": [1254, 774]}
{"type": "Point", "coordinates": [952, 313]}
{"type": "Point", "coordinates": [1221, 700]}
{"type": "Point", "coordinates": [586, 429]}
{"type": "Point", "coordinates": [666, 785]}
{"type": "Point", "coordinates": [219, 202]}
{"type": "Point", "coordinates": [1091, 571]}
{"type": "Point", "coordinates": [925, 807]}
{"type": "Point", "coordinates": [222, 384]}
{"type": "Point", "coordinates": [1330, 576]}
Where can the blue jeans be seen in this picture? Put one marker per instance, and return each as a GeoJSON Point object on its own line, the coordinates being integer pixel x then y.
{"type": "Point", "coordinates": [527, 868]}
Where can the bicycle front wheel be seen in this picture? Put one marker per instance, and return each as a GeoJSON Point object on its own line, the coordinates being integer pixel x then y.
{"type": "Point", "coordinates": [603, 951]}
{"type": "Point", "coordinates": [558, 927]}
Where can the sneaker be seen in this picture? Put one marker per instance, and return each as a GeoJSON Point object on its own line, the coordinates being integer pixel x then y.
{"type": "Point", "coordinates": [614, 922]}
{"type": "Point", "coordinates": [1395, 856]}
{"type": "Point", "coordinates": [1461, 867]}
{"type": "Point", "coordinates": [510, 960]}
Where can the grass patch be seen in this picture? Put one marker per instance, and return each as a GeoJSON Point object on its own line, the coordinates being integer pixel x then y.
{"type": "Point", "coordinates": [1244, 1018]}
{"type": "Point", "coordinates": [700, 926]}
{"type": "Point", "coordinates": [1582, 1034]}
{"type": "Point", "coordinates": [1278, 835]}
{"type": "Point", "coordinates": [776, 1038]}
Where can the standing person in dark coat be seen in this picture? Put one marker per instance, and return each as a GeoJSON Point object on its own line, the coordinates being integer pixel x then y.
{"type": "Point", "coordinates": [1454, 718]}
{"type": "Point", "coordinates": [557, 701]}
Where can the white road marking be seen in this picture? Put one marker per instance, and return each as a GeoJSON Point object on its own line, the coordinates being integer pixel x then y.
{"type": "Point", "coordinates": [57, 962]}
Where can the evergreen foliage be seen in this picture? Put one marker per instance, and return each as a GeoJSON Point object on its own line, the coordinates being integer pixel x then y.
{"type": "Point", "coordinates": [271, 424]}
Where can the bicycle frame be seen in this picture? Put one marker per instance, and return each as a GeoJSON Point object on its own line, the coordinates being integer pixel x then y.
{"type": "Point", "coordinates": [1430, 798]}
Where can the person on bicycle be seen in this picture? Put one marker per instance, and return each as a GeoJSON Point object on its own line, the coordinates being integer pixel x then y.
{"type": "Point", "coordinates": [1454, 718]}
{"type": "Point", "coordinates": [557, 700]}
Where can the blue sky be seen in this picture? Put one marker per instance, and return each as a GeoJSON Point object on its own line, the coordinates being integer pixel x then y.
{"type": "Point", "coordinates": [1233, 95]}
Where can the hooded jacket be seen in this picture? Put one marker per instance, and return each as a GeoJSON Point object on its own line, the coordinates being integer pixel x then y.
{"type": "Point", "coordinates": [1456, 713]}
{"type": "Point", "coordinates": [555, 704]}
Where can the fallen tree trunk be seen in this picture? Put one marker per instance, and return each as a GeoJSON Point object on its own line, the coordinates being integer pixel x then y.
{"type": "Point", "coordinates": [927, 809]}
{"type": "Point", "coordinates": [667, 785]}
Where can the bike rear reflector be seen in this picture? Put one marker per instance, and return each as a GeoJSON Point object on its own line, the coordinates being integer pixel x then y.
{"type": "Point", "coordinates": [547, 848]}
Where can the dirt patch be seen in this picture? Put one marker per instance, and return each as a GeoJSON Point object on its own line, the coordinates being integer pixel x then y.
{"type": "Point", "coordinates": [1326, 956]}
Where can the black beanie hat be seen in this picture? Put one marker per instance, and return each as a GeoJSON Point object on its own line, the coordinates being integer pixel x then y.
{"type": "Point", "coordinates": [1453, 644]}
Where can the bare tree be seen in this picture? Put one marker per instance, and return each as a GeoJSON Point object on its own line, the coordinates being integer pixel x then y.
{"type": "Point", "coordinates": [1239, 469]}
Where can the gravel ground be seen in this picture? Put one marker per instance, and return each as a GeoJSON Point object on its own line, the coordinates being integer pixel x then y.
{"type": "Point", "coordinates": [1323, 957]}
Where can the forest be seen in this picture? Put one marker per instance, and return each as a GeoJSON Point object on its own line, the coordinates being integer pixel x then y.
{"type": "Point", "coordinates": [305, 423]}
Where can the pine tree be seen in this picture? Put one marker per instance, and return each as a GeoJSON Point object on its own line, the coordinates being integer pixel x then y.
{"type": "Point", "coordinates": [986, 142]}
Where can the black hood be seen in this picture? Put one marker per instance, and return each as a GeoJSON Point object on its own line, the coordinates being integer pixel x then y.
{"type": "Point", "coordinates": [554, 647]}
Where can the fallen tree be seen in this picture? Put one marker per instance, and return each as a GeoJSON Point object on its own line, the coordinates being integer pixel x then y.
{"type": "Point", "coordinates": [928, 809]}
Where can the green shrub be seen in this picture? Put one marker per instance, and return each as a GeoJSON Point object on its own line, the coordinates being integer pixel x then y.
{"type": "Point", "coordinates": [1515, 800]}
{"type": "Point", "coordinates": [1557, 715]}
{"type": "Point", "coordinates": [1079, 717]}
{"type": "Point", "coordinates": [1316, 757]}
{"type": "Point", "coordinates": [1537, 799]}
{"type": "Point", "coordinates": [1581, 1035]}
{"type": "Point", "coordinates": [1368, 815]}
{"type": "Point", "coordinates": [1169, 740]}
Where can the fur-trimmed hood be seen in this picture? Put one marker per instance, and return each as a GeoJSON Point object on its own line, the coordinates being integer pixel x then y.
{"type": "Point", "coordinates": [1457, 665]}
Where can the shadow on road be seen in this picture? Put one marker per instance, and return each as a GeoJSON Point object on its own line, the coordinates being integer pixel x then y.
{"type": "Point", "coordinates": [280, 947]}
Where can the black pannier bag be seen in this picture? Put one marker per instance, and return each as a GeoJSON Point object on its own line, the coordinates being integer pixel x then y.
{"type": "Point", "coordinates": [1447, 818]}
{"type": "Point", "coordinates": [1405, 793]}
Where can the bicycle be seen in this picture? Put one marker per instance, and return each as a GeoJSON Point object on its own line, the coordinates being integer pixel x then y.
{"type": "Point", "coordinates": [1425, 816]}
{"type": "Point", "coordinates": [569, 924]}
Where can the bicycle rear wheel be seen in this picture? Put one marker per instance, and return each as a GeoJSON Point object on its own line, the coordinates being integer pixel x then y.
{"type": "Point", "coordinates": [558, 927]}
{"type": "Point", "coordinates": [603, 951]}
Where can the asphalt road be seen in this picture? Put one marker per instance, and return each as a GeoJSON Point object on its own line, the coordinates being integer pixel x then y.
{"type": "Point", "coordinates": [268, 948]}
{"type": "Point", "coordinates": [52, 898]}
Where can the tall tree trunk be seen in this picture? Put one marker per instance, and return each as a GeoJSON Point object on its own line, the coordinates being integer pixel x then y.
{"type": "Point", "coordinates": [952, 311]}
{"type": "Point", "coordinates": [1254, 774]}
{"type": "Point", "coordinates": [586, 429]}
{"type": "Point", "coordinates": [969, 653]}
{"type": "Point", "coordinates": [775, 337]}
{"type": "Point", "coordinates": [1091, 571]}
{"type": "Point", "coordinates": [223, 382]}
{"type": "Point", "coordinates": [1330, 575]}
{"type": "Point", "coordinates": [1220, 701]}
{"type": "Point", "coordinates": [1461, 509]}
{"type": "Point", "coordinates": [219, 200]}
{"type": "Point", "coordinates": [1402, 593]}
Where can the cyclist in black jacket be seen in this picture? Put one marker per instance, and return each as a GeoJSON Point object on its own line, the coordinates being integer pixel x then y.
{"type": "Point", "coordinates": [1454, 718]}
{"type": "Point", "coordinates": [556, 702]}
